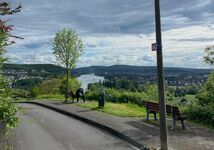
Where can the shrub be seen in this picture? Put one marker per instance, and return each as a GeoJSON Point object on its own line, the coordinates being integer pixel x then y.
{"type": "Point", "coordinates": [201, 114]}
{"type": "Point", "coordinates": [55, 86]}
{"type": "Point", "coordinates": [20, 93]}
{"type": "Point", "coordinates": [202, 110]}
{"type": "Point", "coordinates": [8, 112]}
{"type": "Point", "coordinates": [73, 85]}
{"type": "Point", "coordinates": [7, 109]}
{"type": "Point", "coordinates": [117, 96]}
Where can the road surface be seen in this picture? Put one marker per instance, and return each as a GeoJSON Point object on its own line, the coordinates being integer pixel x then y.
{"type": "Point", "coordinates": [43, 129]}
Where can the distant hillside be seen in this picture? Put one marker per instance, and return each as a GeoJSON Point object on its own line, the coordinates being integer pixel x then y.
{"type": "Point", "coordinates": [25, 76]}
{"type": "Point", "coordinates": [34, 69]}
{"type": "Point", "coordinates": [47, 67]}
{"type": "Point", "coordinates": [125, 69]}
{"type": "Point", "coordinates": [53, 70]}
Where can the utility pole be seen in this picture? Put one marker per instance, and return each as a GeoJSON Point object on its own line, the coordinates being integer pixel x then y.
{"type": "Point", "coordinates": [160, 72]}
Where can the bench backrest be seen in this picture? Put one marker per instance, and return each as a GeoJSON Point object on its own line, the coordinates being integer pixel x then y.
{"type": "Point", "coordinates": [170, 110]}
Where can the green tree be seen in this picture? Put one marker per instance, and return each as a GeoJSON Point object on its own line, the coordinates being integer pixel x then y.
{"type": "Point", "coordinates": [209, 55]}
{"type": "Point", "coordinates": [151, 92]}
{"type": "Point", "coordinates": [207, 97]}
{"type": "Point", "coordinates": [7, 110]}
{"type": "Point", "coordinates": [5, 35]}
{"type": "Point", "coordinates": [73, 85]}
{"type": "Point", "coordinates": [179, 92]}
{"type": "Point", "coordinates": [203, 110]}
{"type": "Point", "coordinates": [68, 47]}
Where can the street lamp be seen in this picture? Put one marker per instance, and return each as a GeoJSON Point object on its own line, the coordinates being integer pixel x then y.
{"type": "Point", "coordinates": [160, 72]}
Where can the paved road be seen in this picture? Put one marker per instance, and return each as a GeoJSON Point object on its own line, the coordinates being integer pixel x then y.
{"type": "Point", "coordinates": [43, 129]}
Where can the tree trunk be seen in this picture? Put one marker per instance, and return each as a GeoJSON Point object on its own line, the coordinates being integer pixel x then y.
{"type": "Point", "coordinates": [66, 95]}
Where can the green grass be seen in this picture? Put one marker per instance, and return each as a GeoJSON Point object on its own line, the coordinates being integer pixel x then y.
{"type": "Point", "coordinates": [52, 97]}
{"type": "Point", "coordinates": [189, 98]}
{"type": "Point", "coordinates": [117, 109]}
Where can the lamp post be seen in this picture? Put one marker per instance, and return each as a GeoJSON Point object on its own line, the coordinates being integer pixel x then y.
{"type": "Point", "coordinates": [160, 72]}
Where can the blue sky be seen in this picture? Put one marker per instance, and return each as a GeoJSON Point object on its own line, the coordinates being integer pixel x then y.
{"type": "Point", "coordinates": [115, 31]}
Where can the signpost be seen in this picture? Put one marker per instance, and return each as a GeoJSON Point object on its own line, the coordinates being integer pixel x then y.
{"type": "Point", "coordinates": [160, 72]}
{"type": "Point", "coordinates": [156, 47]}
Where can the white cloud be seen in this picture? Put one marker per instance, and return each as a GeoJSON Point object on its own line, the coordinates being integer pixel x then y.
{"type": "Point", "coordinates": [110, 30]}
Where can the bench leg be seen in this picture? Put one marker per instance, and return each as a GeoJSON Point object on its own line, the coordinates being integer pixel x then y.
{"type": "Point", "coordinates": [155, 116]}
{"type": "Point", "coordinates": [182, 124]}
{"type": "Point", "coordinates": [174, 123]}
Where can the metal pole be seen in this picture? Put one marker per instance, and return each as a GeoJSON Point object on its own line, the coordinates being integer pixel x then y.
{"type": "Point", "coordinates": [160, 72]}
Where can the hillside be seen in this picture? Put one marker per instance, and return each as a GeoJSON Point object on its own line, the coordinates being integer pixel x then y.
{"type": "Point", "coordinates": [50, 69]}
{"type": "Point", "coordinates": [138, 70]}
{"type": "Point", "coordinates": [43, 70]}
{"type": "Point", "coordinates": [28, 75]}
{"type": "Point", "coordinates": [53, 70]}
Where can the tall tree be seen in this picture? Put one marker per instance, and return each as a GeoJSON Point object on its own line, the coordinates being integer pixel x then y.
{"type": "Point", "coordinates": [209, 55]}
{"type": "Point", "coordinates": [7, 110]}
{"type": "Point", "coordinates": [207, 96]}
{"type": "Point", "coordinates": [5, 35]}
{"type": "Point", "coordinates": [68, 47]}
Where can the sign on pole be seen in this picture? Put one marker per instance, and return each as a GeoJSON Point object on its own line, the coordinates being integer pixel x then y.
{"type": "Point", "coordinates": [154, 46]}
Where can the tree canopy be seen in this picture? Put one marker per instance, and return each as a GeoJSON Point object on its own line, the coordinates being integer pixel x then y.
{"type": "Point", "coordinates": [209, 55]}
{"type": "Point", "coordinates": [5, 29]}
{"type": "Point", "coordinates": [7, 110]}
{"type": "Point", "coordinates": [68, 47]}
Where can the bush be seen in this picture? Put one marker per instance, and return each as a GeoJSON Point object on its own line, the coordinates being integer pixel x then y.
{"type": "Point", "coordinates": [202, 111]}
{"type": "Point", "coordinates": [8, 112]}
{"type": "Point", "coordinates": [123, 96]}
{"type": "Point", "coordinates": [73, 85]}
{"type": "Point", "coordinates": [7, 109]}
{"type": "Point", "coordinates": [55, 86]}
{"type": "Point", "coordinates": [117, 96]}
{"type": "Point", "coordinates": [201, 114]}
{"type": "Point", "coordinates": [19, 93]}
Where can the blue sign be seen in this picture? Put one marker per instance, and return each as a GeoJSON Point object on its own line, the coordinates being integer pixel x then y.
{"type": "Point", "coordinates": [156, 47]}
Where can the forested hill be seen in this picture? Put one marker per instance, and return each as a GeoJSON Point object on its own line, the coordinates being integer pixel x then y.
{"type": "Point", "coordinates": [34, 69]}
{"type": "Point", "coordinates": [125, 69]}
{"type": "Point", "coordinates": [50, 69]}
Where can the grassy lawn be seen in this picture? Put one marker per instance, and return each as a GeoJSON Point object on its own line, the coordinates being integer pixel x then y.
{"type": "Point", "coordinates": [117, 109]}
{"type": "Point", "coordinates": [189, 98]}
{"type": "Point", "coordinates": [52, 97]}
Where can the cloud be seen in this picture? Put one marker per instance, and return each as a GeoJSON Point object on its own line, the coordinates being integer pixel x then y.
{"type": "Point", "coordinates": [109, 28]}
{"type": "Point", "coordinates": [196, 40]}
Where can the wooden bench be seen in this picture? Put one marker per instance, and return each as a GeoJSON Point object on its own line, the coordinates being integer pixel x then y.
{"type": "Point", "coordinates": [152, 107]}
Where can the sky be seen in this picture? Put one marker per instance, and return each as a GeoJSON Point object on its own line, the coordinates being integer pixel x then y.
{"type": "Point", "coordinates": [115, 31]}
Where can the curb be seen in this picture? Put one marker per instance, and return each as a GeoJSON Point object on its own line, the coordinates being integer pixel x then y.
{"type": "Point", "coordinates": [90, 122]}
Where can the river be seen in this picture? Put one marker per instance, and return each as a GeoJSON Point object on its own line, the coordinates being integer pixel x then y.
{"type": "Point", "coordinates": [89, 78]}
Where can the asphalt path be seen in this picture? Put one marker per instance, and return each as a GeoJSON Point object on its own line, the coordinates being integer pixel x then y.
{"type": "Point", "coordinates": [43, 129]}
